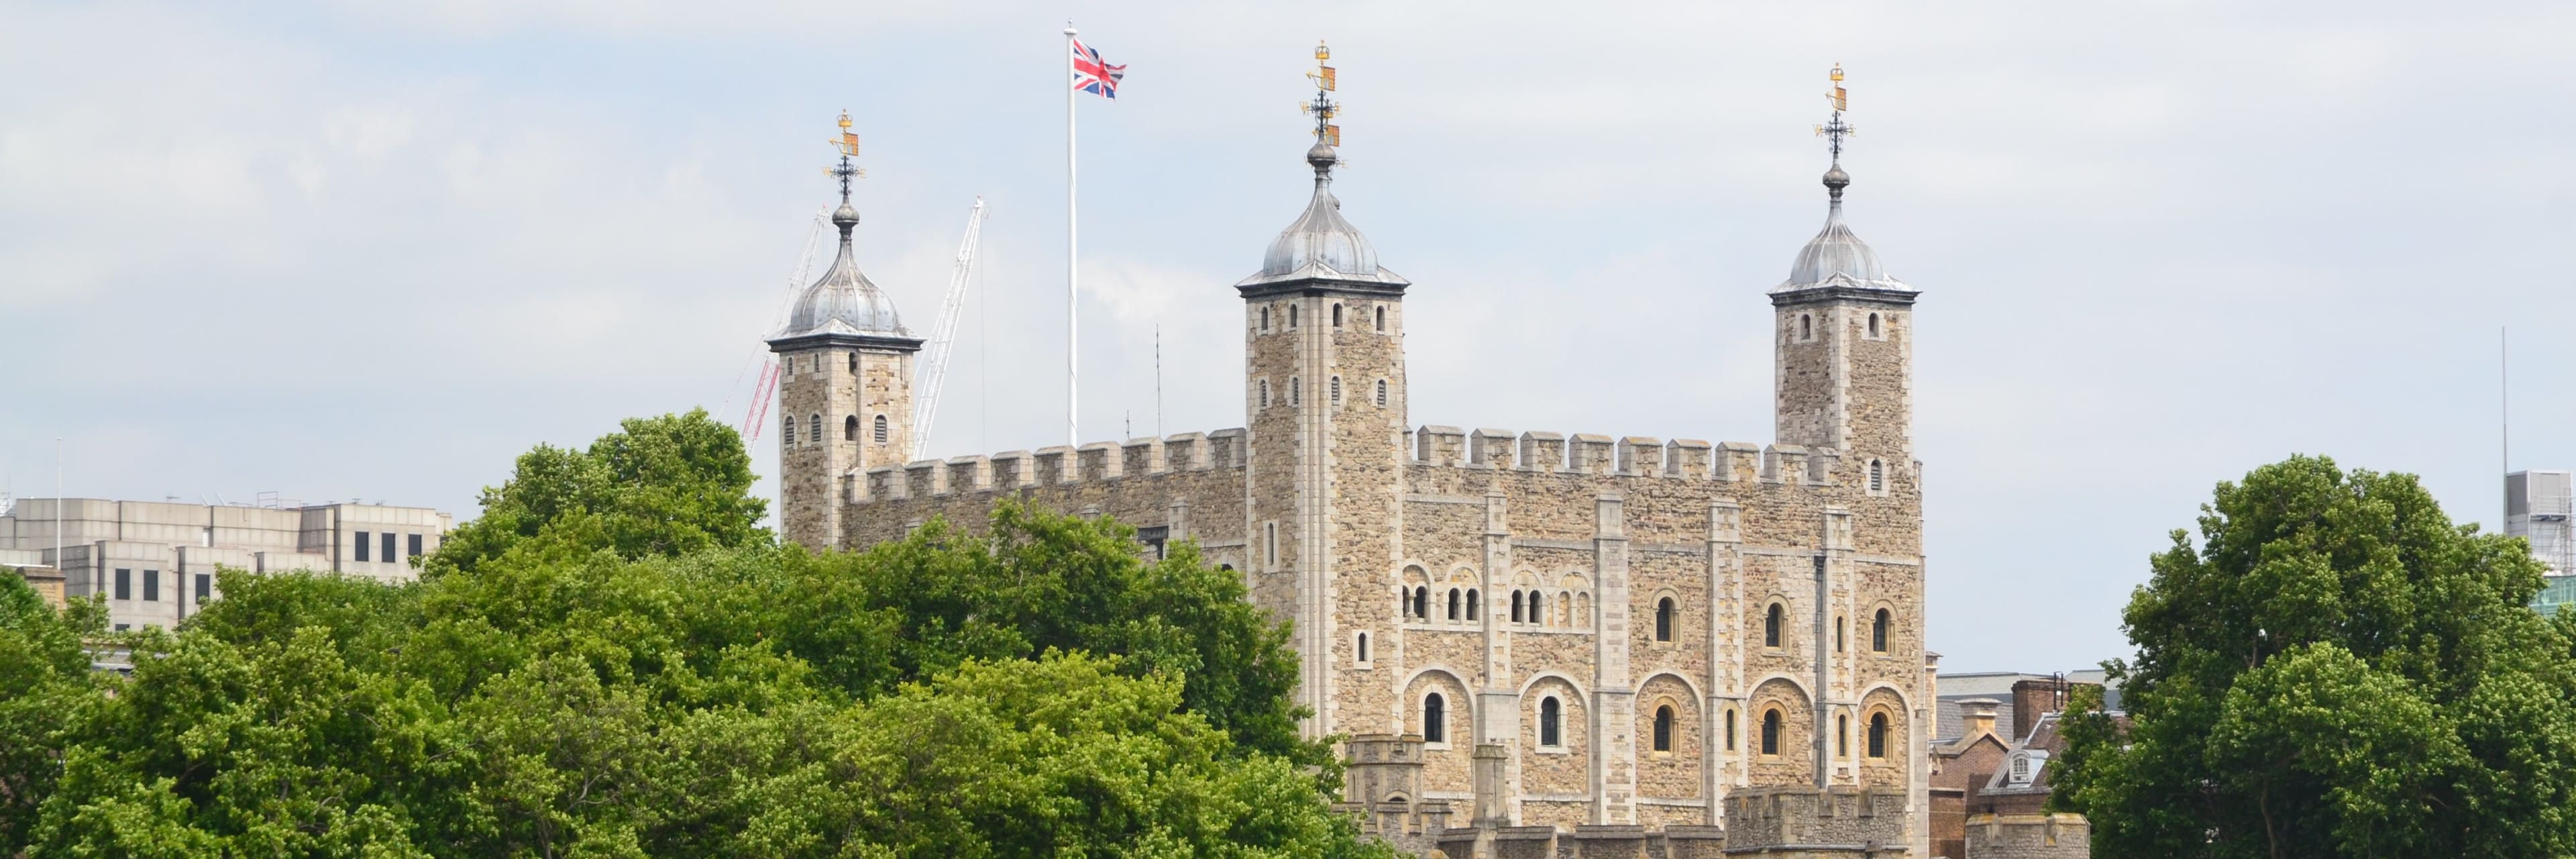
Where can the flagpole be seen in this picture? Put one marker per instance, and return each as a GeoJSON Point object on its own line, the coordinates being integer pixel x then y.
{"type": "Point", "coordinates": [1072, 434]}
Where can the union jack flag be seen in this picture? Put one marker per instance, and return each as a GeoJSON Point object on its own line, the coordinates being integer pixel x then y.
{"type": "Point", "coordinates": [1093, 76]}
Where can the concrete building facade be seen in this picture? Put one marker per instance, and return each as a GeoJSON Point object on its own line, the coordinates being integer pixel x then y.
{"type": "Point", "coordinates": [1530, 640]}
{"type": "Point", "coordinates": [155, 561]}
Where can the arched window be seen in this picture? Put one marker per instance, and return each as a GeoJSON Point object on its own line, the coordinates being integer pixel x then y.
{"type": "Point", "coordinates": [1842, 736]}
{"type": "Point", "coordinates": [1730, 730]}
{"type": "Point", "coordinates": [1877, 477]}
{"type": "Point", "coordinates": [1337, 314]}
{"type": "Point", "coordinates": [814, 427]}
{"type": "Point", "coordinates": [1293, 390]}
{"type": "Point", "coordinates": [1664, 619]}
{"type": "Point", "coordinates": [1364, 647]}
{"type": "Point", "coordinates": [1471, 603]}
{"type": "Point", "coordinates": [1265, 319]}
{"type": "Point", "coordinates": [1381, 319]}
{"type": "Point", "coordinates": [1878, 735]}
{"type": "Point", "coordinates": [1453, 603]}
{"type": "Point", "coordinates": [1838, 634]}
{"type": "Point", "coordinates": [1771, 626]}
{"type": "Point", "coordinates": [1337, 390]}
{"type": "Point", "coordinates": [1551, 718]}
{"type": "Point", "coordinates": [1421, 602]}
{"type": "Point", "coordinates": [881, 429]}
{"type": "Point", "coordinates": [1265, 393]}
{"type": "Point", "coordinates": [854, 363]}
{"type": "Point", "coordinates": [1663, 729]}
{"type": "Point", "coordinates": [1292, 316]}
{"type": "Point", "coordinates": [1381, 393]}
{"type": "Point", "coordinates": [1435, 719]}
{"type": "Point", "coordinates": [787, 436]}
{"type": "Point", "coordinates": [1404, 601]}
{"type": "Point", "coordinates": [1873, 325]}
{"type": "Point", "coordinates": [1516, 606]}
{"type": "Point", "coordinates": [1536, 615]}
{"type": "Point", "coordinates": [1770, 732]}
{"type": "Point", "coordinates": [1806, 327]}
{"type": "Point", "coordinates": [1878, 632]}
{"type": "Point", "coordinates": [850, 428]}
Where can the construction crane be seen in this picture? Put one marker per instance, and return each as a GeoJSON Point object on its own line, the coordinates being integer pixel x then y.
{"type": "Point", "coordinates": [943, 334]}
{"type": "Point", "coordinates": [766, 387]}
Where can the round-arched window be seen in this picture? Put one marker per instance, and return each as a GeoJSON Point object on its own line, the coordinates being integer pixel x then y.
{"type": "Point", "coordinates": [1435, 719]}
{"type": "Point", "coordinates": [881, 429]}
{"type": "Point", "coordinates": [1551, 719]}
{"type": "Point", "coordinates": [1664, 729]}
{"type": "Point", "coordinates": [850, 428]}
{"type": "Point", "coordinates": [1664, 619]}
{"type": "Point", "coordinates": [1878, 735]}
{"type": "Point", "coordinates": [1771, 732]}
{"type": "Point", "coordinates": [1771, 621]}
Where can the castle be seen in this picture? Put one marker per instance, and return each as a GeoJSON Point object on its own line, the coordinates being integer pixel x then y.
{"type": "Point", "coordinates": [1531, 642]}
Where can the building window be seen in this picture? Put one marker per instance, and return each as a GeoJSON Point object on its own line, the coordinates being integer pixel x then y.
{"type": "Point", "coordinates": [1535, 614]}
{"type": "Point", "coordinates": [1270, 543]}
{"type": "Point", "coordinates": [1364, 648]}
{"type": "Point", "coordinates": [1730, 730]}
{"type": "Point", "coordinates": [1435, 719]}
{"type": "Point", "coordinates": [1551, 727]}
{"type": "Point", "coordinates": [1337, 314]}
{"type": "Point", "coordinates": [1873, 326]}
{"type": "Point", "coordinates": [415, 546]}
{"type": "Point", "coordinates": [1878, 632]}
{"type": "Point", "coordinates": [1337, 390]}
{"type": "Point", "coordinates": [1842, 736]}
{"type": "Point", "coordinates": [1404, 601]}
{"type": "Point", "coordinates": [1516, 606]}
{"type": "Point", "coordinates": [1294, 389]}
{"type": "Point", "coordinates": [854, 363]}
{"type": "Point", "coordinates": [1664, 619]}
{"type": "Point", "coordinates": [1878, 735]}
{"type": "Point", "coordinates": [1877, 477]}
{"type": "Point", "coordinates": [1292, 317]}
{"type": "Point", "coordinates": [1771, 626]}
{"type": "Point", "coordinates": [1265, 319]}
{"type": "Point", "coordinates": [362, 546]}
{"type": "Point", "coordinates": [124, 626]}
{"type": "Point", "coordinates": [1471, 603]}
{"type": "Point", "coordinates": [1381, 319]}
{"type": "Point", "coordinates": [1265, 393]}
{"type": "Point", "coordinates": [1453, 603]}
{"type": "Point", "coordinates": [787, 433]}
{"type": "Point", "coordinates": [1381, 393]}
{"type": "Point", "coordinates": [205, 588]}
{"type": "Point", "coordinates": [151, 585]}
{"type": "Point", "coordinates": [880, 430]}
{"type": "Point", "coordinates": [814, 426]}
{"type": "Point", "coordinates": [387, 555]}
{"type": "Point", "coordinates": [1806, 327]}
{"type": "Point", "coordinates": [1838, 635]}
{"type": "Point", "coordinates": [1663, 729]}
{"type": "Point", "coordinates": [850, 428]}
{"type": "Point", "coordinates": [1771, 732]}
{"type": "Point", "coordinates": [125, 581]}
{"type": "Point", "coordinates": [1422, 602]}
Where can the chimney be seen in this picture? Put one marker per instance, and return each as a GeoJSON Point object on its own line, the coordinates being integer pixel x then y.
{"type": "Point", "coordinates": [1977, 716]}
{"type": "Point", "coordinates": [2034, 697]}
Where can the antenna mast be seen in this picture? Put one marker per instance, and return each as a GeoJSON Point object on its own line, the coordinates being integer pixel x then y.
{"type": "Point", "coordinates": [943, 334]}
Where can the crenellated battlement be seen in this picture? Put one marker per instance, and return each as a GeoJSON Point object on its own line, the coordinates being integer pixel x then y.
{"type": "Point", "coordinates": [1097, 462]}
{"type": "Point", "coordinates": [1630, 456]}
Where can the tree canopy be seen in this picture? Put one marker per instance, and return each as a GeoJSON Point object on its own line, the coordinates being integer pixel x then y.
{"type": "Point", "coordinates": [567, 684]}
{"type": "Point", "coordinates": [2337, 669]}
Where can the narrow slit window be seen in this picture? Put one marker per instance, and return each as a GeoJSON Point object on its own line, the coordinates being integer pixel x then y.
{"type": "Point", "coordinates": [1435, 719]}
{"type": "Point", "coordinates": [1364, 647]}
{"type": "Point", "coordinates": [1771, 626]}
{"type": "Point", "coordinates": [1551, 719]}
{"type": "Point", "coordinates": [1516, 606]}
{"type": "Point", "coordinates": [1730, 730]}
{"type": "Point", "coordinates": [1337, 315]}
{"type": "Point", "coordinates": [1471, 603]}
{"type": "Point", "coordinates": [1337, 390]}
{"type": "Point", "coordinates": [1536, 611]}
{"type": "Point", "coordinates": [1292, 316]}
{"type": "Point", "coordinates": [1453, 603]}
{"type": "Point", "coordinates": [1878, 632]}
{"type": "Point", "coordinates": [1381, 393]}
{"type": "Point", "coordinates": [1664, 619]}
{"type": "Point", "coordinates": [1873, 326]}
{"type": "Point", "coordinates": [1381, 319]}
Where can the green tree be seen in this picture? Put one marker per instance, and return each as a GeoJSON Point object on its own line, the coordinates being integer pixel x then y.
{"type": "Point", "coordinates": [666, 485]}
{"type": "Point", "coordinates": [45, 685]}
{"type": "Point", "coordinates": [2336, 670]}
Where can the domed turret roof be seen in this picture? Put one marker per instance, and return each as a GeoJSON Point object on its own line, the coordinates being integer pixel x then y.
{"type": "Point", "coordinates": [1320, 244]}
{"type": "Point", "coordinates": [1837, 256]}
{"type": "Point", "coordinates": [843, 301]}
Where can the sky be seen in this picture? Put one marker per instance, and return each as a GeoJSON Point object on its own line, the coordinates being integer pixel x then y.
{"type": "Point", "coordinates": [374, 251]}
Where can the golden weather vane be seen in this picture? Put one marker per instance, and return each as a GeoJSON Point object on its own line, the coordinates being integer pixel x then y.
{"type": "Point", "coordinates": [1323, 107]}
{"type": "Point", "coordinates": [1834, 130]}
{"type": "Point", "coordinates": [848, 145]}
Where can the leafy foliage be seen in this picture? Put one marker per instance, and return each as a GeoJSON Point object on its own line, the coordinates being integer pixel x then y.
{"type": "Point", "coordinates": [2337, 670]}
{"type": "Point", "coordinates": [578, 680]}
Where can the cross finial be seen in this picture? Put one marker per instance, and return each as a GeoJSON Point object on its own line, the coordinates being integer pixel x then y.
{"type": "Point", "coordinates": [1834, 129]}
{"type": "Point", "coordinates": [848, 145]}
{"type": "Point", "coordinates": [1323, 107]}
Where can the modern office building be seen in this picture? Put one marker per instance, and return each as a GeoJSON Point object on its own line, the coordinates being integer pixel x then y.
{"type": "Point", "coordinates": [2536, 506]}
{"type": "Point", "coordinates": [155, 561]}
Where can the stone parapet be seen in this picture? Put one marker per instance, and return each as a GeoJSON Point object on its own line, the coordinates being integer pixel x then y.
{"type": "Point", "coordinates": [1808, 821]}
{"type": "Point", "coordinates": [2029, 836]}
{"type": "Point", "coordinates": [1630, 456]}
